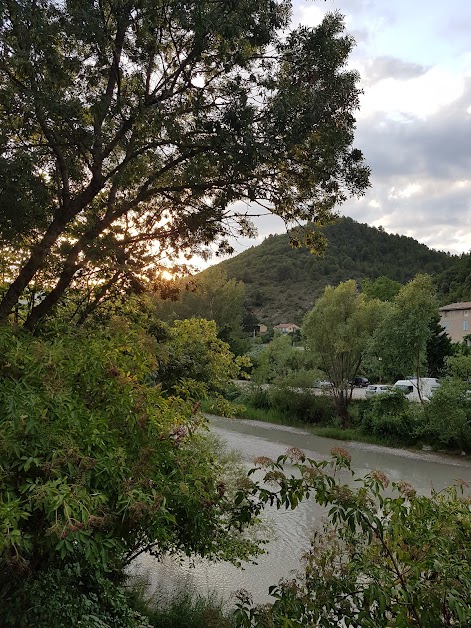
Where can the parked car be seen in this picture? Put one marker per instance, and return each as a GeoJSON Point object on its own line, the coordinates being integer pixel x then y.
{"type": "Point", "coordinates": [323, 384]}
{"type": "Point", "coordinates": [377, 389]}
{"type": "Point", "coordinates": [360, 382]}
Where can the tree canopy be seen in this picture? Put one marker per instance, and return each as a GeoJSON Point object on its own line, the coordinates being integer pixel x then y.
{"type": "Point", "coordinates": [131, 128]}
{"type": "Point", "coordinates": [210, 295]}
{"type": "Point", "coordinates": [338, 330]}
{"type": "Point", "coordinates": [401, 339]}
{"type": "Point", "coordinates": [105, 456]}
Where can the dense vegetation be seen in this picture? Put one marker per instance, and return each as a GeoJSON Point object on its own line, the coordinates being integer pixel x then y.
{"type": "Point", "coordinates": [104, 456]}
{"type": "Point", "coordinates": [283, 282]}
{"type": "Point", "coordinates": [454, 284]}
{"type": "Point", "coordinates": [380, 559]}
{"type": "Point", "coordinates": [132, 130]}
{"type": "Point", "coordinates": [348, 333]}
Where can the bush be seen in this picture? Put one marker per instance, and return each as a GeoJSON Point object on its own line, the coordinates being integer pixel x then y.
{"type": "Point", "coordinates": [447, 417]}
{"type": "Point", "coordinates": [303, 406]}
{"type": "Point", "coordinates": [390, 415]}
{"type": "Point", "coordinates": [257, 397]}
{"type": "Point", "coordinates": [69, 596]}
{"type": "Point", "coordinates": [304, 378]}
{"type": "Point", "coordinates": [187, 609]}
{"type": "Point", "coordinates": [382, 559]}
{"type": "Point", "coordinates": [98, 464]}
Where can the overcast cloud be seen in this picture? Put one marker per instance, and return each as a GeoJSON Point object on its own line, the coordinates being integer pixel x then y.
{"type": "Point", "coordinates": [414, 124]}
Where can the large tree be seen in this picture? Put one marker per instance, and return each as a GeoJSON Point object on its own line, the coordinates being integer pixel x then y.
{"type": "Point", "coordinates": [210, 295]}
{"type": "Point", "coordinates": [337, 331]}
{"type": "Point", "coordinates": [136, 122]}
{"type": "Point", "coordinates": [402, 338]}
{"type": "Point", "coordinates": [382, 288]}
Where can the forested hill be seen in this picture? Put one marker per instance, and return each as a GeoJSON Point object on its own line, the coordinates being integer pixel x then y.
{"type": "Point", "coordinates": [282, 283]}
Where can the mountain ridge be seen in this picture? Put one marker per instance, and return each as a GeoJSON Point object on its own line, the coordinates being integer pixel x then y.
{"type": "Point", "coordinates": [283, 282]}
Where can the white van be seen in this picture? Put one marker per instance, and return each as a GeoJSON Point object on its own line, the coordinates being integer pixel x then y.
{"type": "Point", "coordinates": [411, 387]}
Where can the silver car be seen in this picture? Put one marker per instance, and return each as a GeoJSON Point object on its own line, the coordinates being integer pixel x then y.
{"type": "Point", "coordinates": [377, 389]}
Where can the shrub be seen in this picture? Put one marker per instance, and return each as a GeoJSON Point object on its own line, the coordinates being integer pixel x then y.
{"type": "Point", "coordinates": [390, 415]}
{"type": "Point", "coordinates": [187, 609]}
{"type": "Point", "coordinates": [98, 464]}
{"type": "Point", "coordinates": [303, 406]}
{"type": "Point", "coordinates": [304, 378]}
{"type": "Point", "coordinates": [382, 560]}
{"type": "Point", "coordinates": [258, 397]}
{"type": "Point", "coordinates": [447, 417]}
{"type": "Point", "coordinates": [69, 596]}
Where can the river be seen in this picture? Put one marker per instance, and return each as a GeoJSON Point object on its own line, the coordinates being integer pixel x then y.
{"type": "Point", "coordinates": [291, 530]}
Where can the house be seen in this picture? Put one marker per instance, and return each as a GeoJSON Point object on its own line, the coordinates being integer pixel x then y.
{"type": "Point", "coordinates": [262, 329]}
{"type": "Point", "coordinates": [455, 319]}
{"type": "Point", "coordinates": [286, 328]}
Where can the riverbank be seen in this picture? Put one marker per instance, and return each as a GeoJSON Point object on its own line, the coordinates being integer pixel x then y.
{"type": "Point", "coordinates": [352, 434]}
{"type": "Point", "coordinates": [291, 530]}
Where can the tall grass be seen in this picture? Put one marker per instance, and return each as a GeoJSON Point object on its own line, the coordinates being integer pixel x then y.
{"type": "Point", "coordinates": [267, 415]}
{"type": "Point", "coordinates": [192, 611]}
{"type": "Point", "coordinates": [185, 609]}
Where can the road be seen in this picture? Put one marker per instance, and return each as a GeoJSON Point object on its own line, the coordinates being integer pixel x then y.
{"type": "Point", "coordinates": [358, 393]}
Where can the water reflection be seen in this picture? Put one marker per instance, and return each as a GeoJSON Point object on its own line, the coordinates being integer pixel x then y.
{"type": "Point", "coordinates": [292, 529]}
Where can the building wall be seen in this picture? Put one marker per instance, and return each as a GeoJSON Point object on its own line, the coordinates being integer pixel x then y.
{"type": "Point", "coordinates": [457, 323]}
{"type": "Point", "coordinates": [286, 328]}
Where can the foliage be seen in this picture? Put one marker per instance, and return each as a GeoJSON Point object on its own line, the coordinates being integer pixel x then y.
{"type": "Point", "coordinates": [454, 283]}
{"type": "Point", "coordinates": [355, 251]}
{"type": "Point", "coordinates": [382, 560]}
{"type": "Point", "coordinates": [210, 295]}
{"type": "Point", "coordinates": [391, 416]}
{"type": "Point", "coordinates": [447, 417]}
{"type": "Point", "coordinates": [258, 397]}
{"type": "Point", "coordinates": [193, 351]}
{"type": "Point", "coordinates": [459, 366]}
{"type": "Point", "coordinates": [302, 378]}
{"type": "Point", "coordinates": [279, 360]}
{"type": "Point", "coordinates": [302, 405]}
{"type": "Point", "coordinates": [382, 288]}
{"type": "Point", "coordinates": [99, 464]}
{"type": "Point", "coordinates": [401, 338]}
{"type": "Point", "coordinates": [189, 610]}
{"type": "Point", "coordinates": [70, 597]}
{"type": "Point", "coordinates": [439, 347]}
{"type": "Point", "coordinates": [137, 127]}
{"type": "Point", "coordinates": [337, 331]}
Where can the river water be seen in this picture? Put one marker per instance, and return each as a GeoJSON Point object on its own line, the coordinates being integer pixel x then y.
{"type": "Point", "coordinates": [291, 531]}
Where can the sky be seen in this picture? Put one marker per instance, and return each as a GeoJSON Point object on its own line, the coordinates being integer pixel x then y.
{"type": "Point", "coordinates": [414, 121]}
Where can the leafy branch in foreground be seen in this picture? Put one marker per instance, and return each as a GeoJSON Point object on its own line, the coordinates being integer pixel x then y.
{"type": "Point", "coordinates": [101, 459]}
{"type": "Point", "coordinates": [381, 560]}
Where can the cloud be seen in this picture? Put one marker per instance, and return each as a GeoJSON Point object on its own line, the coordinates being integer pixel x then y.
{"type": "Point", "coordinates": [386, 67]}
{"type": "Point", "coordinates": [421, 175]}
{"type": "Point", "coordinates": [438, 146]}
{"type": "Point", "coordinates": [406, 98]}
{"type": "Point", "coordinates": [414, 124]}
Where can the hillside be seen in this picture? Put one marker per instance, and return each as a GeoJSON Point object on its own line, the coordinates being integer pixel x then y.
{"type": "Point", "coordinates": [282, 283]}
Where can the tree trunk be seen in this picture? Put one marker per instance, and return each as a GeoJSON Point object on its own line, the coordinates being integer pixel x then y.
{"type": "Point", "coordinates": [341, 401]}
{"type": "Point", "coordinates": [35, 262]}
{"type": "Point", "coordinates": [41, 250]}
{"type": "Point", "coordinates": [91, 307]}
{"type": "Point", "coordinates": [69, 269]}
{"type": "Point", "coordinates": [46, 305]}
